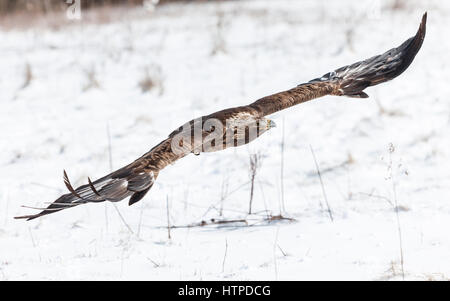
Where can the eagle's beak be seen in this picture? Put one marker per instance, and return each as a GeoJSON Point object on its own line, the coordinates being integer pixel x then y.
{"type": "Point", "coordinates": [272, 124]}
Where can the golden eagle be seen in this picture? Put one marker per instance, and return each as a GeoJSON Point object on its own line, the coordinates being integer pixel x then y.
{"type": "Point", "coordinates": [235, 126]}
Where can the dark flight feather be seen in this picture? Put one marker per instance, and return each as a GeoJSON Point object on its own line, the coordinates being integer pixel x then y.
{"type": "Point", "coordinates": [349, 80]}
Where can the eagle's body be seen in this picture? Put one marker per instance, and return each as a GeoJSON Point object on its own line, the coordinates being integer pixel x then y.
{"type": "Point", "coordinates": [236, 126]}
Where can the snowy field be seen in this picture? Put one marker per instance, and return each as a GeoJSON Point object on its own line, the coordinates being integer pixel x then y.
{"type": "Point", "coordinates": [91, 96]}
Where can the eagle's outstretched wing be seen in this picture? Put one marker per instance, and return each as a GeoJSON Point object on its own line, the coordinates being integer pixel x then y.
{"type": "Point", "coordinates": [349, 80]}
{"type": "Point", "coordinates": [133, 180]}
{"type": "Point", "coordinates": [137, 178]}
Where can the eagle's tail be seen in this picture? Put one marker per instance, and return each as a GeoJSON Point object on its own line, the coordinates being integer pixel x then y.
{"type": "Point", "coordinates": [354, 78]}
{"type": "Point", "coordinates": [113, 187]}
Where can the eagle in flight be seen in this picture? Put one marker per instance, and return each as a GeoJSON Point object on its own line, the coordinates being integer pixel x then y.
{"type": "Point", "coordinates": [235, 126]}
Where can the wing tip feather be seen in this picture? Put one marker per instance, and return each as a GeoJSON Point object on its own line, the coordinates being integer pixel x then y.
{"type": "Point", "coordinates": [420, 36]}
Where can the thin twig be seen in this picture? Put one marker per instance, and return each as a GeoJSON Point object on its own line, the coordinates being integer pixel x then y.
{"type": "Point", "coordinates": [284, 254]}
{"type": "Point", "coordinates": [140, 220]}
{"type": "Point", "coordinates": [154, 263]}
{"type": "Point", "coordinates": [32, 239]}
{"type": "Point", "coordinates": [7, 205]}
{"type": "Point", "coordinates": [186, 195]}
{"type": "Point", "coordinates": [275, 243]}
{"type": "Point", "coordinates": [111, 168]}
{"type": "Point", "coordinates": [244, 222]}
{"type": "Point", "coordinates": [321, 184]}
{"type": "Point", "coordinates": [394, 190]}
{"type": "Point", "coordinates": [225, 255]}
{"type": "Point", "coordinates": [225, 197]}
{"type": "Point", "coordinates": [264, 198]}
{"type": "Point", "coordinates": [121, 262]}
{"type": "Point", "coordinates": [106, 217]}
{"type": "Point", "coordinates": [168, 219]}
{"type": "Point", "coordinates": [46, 186]}
{"type": "Point", "coordinates": [123, 220]}
{"type": "Point", "coordinates": [254, 165]}
{"type": "Point", "coordinates": [378, 197]}
{"type": "Point", "coordinates": [282, 168]}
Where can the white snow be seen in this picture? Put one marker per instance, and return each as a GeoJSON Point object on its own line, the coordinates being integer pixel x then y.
{"type": "Point", "coordinates": [204, 57]}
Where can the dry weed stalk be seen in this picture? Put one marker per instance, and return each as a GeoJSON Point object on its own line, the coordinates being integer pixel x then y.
{"type": "Point", "coordinates": [321, 184]}
{"type": "Point", "coordinates": [255, 162]}
{"type": "Point", "coordinates": [396, 208]}
{"type": "Point", "coordinates": [168, 217]}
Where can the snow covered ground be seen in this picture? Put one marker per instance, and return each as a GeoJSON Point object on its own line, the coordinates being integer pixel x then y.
{"type": "Point", "coordinates": [88, 78]}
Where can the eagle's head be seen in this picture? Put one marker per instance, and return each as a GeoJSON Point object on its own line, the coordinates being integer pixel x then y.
{"type": "Point", "coordinates": [270, 124]}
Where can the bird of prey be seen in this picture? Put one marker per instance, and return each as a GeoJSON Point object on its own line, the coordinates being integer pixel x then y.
{"type": "Point", "coordinates": [235, 126]}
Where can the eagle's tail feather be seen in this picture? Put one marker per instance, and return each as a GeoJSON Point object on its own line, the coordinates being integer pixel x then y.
{"type": "Point", "coordinates": [63, 202]}
{"type": "Point", "coordinates": [354, 78]}
{"type": "Point", "coordinates": [113, 187]}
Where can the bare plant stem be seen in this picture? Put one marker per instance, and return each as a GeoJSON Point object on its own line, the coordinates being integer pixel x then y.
{"type": "Point", "coordinates": [225, 255]}
{"type": "Point", "coordinates": [7, 205]}
{"type": "Point", "coordinates": [106, 217]}
{"type": "Point", "coordinates": [223, 194]}
{"type": "Point", "coordinates": [264, 199]}
{"type": "Point", "coordinates": [140, 220]}
{"type": "Point", "coordinates": [282, 169]}
{"type": "Point", "coordinates": [121, 262]}
{"type": "Point", "coordinates": [111, 168]}
{"type": "Point", "coordinates": [251, 194]}
{"type": "Point", "coordinates": [123, 220]}
{"type": "Point", "coordinates": [399, 229]}
{"type": "Point", "coordinates": [156, 265]}
{"type": "Point", "coordinates": [275, 244]}
{"type": "Point", "coordinates": [321, 184]}
{"type": "Point", "coordinates": [254, 164]}
{"type": "Point", "coordinates": [168, 219]}
{"type": "Point", "coordinates": [32, 239]}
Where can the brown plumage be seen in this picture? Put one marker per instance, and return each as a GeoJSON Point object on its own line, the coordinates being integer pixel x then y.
{"type": "Point", "coordinates": [236, 126]}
